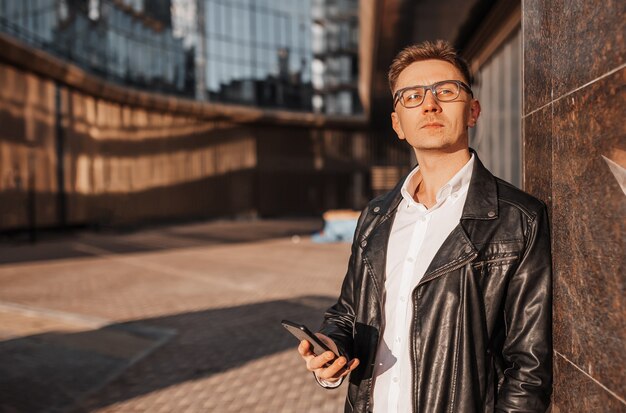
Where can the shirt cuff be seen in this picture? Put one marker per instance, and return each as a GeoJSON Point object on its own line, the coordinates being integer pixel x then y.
{"type": "Point", "coordinates": [328, 384]}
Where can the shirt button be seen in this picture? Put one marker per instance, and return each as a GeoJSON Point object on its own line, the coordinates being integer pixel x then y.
{"type": "Point", "coordinates": [403, 298]}
{"type": "Point", "coordinates": [410, 259]}
{"type": "Point", "coordinates": [398, 339]}
{"type": "Point", "coordinates": [491, 214]}
{"type": "Point", "coordinates": [395, 379]}
{"type": "Point", "coordinates": [376, 209]}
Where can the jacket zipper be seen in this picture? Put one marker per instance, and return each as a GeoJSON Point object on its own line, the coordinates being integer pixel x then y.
{"type": "Point", "coordinates": [443, 271]}
{"type": "Point", "coordinates": [369, 386]}
{"type": "Point", "coordinates": [380, 336]}
{"type": "Point", "coordinates": [412, 327]}
{"type": "Point", "coordinates": [503, 260]}
{"type": "Point", "coordinates": [413, 351]}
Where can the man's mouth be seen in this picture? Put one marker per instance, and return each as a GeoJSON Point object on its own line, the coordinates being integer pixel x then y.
{"type": "Point", "coordinates": [432, 125]}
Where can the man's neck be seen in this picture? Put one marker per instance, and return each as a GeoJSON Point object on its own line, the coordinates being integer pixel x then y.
{"type": "Point", "coordinates": [437, 168]}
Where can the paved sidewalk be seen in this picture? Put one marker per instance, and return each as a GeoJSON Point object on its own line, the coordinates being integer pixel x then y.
{"type": "Point", "coordinates": [173, 319]}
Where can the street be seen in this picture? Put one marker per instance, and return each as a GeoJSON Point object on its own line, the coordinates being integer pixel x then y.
{"type": "Point", "coordinates": [182, 318]}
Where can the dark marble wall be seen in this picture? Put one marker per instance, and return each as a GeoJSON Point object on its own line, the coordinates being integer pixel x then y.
{"type": "Point", "coordinates": [574, 128]}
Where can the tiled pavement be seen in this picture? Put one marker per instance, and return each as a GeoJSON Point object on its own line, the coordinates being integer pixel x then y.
{"type": "Point", "coordinates": [171, 319]}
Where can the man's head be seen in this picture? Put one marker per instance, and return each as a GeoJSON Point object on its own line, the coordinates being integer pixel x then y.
{"type": "Point", "coordinates": [439, 119]}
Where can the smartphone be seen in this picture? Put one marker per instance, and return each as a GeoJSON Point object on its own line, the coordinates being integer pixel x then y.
{"type": "Point", "coordinates": [302, 333]}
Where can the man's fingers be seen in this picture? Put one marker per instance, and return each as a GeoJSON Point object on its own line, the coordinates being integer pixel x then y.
{"type": "Point", "coordinates": [304, 348]}
{"type": "Point", "coordinates": [320, 361]}
{"type": "Point", "coordinates": [334, 370]}
{"type": "Point", "coordinates": [351, 366]}
{"type": "Point", "coordinates": [338, 369]}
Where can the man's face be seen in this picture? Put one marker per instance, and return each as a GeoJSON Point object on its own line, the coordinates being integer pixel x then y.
{"type": "Point", "coordinates": [434, 125]}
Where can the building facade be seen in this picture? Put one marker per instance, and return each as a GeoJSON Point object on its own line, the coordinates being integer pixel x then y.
{"type": "Point", "coordinates": [336, 56]}
{"type": "Point", "coordinates": [124, 112]}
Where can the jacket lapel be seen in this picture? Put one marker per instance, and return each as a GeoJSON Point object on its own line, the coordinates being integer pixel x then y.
{"type": "Point", "coordinates": [481, 204]}
{"type": "Point", "coordinates": [375, 238]}
{"type": "Point", "coordinates": [455, 251]}
{"type": "Point", "coordinates": [375, 252]}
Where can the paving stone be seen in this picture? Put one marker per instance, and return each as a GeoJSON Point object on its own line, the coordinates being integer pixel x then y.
{"type": "Point", "coordinates": [212, 293]}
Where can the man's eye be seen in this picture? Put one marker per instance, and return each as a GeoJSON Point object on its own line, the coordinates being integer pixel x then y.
{"type": "Point", "coordinates": [413, 96]}
{"type": "Point", "coordinates": [445, 92]}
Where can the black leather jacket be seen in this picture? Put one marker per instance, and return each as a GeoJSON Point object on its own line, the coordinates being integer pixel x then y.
{"type": "Point", "coordinates": [481, 336]}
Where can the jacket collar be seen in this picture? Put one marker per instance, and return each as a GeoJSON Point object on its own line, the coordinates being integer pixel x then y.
{"type": "Point", "coordinates": [387, 203]}
{"type": "Point", "coordinates": [481, 201]}
{"type": "Point", "coordinates": [481, 204]}
{"type": "Point", "coordinates": [482, 195]}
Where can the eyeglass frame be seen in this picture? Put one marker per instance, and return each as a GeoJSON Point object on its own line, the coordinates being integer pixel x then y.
{"type": "Point", "coordinates": [459, 83]}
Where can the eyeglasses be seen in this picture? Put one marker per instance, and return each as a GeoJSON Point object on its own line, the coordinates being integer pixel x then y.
{"type": "Point", "coordinates": [444, 91]}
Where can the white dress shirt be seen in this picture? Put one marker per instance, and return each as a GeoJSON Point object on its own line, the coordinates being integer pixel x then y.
{"type": "Point", "coordinates": [416, 236]}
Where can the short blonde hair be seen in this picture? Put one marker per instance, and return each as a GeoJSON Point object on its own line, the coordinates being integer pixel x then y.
{"type": "Point", "coordinates": [440, 50]}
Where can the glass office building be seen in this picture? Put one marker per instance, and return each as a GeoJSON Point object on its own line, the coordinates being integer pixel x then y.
{"type": "Point", "coordinates": [258, 52]}
{"type": "Point", "coordinates": [125, 41]}
{"type": "Point", "coordinates": [336, 56]}
{"type": "Point", "coordinates": [287, 54]}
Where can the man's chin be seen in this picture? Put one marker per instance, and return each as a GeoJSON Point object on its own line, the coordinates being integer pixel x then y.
{"type": "Point", "coordinates": [431, 146]}
{"type": "Point", "coordinates": [440, 143]}
{"type": "Point", "coordinates": [441, 147]}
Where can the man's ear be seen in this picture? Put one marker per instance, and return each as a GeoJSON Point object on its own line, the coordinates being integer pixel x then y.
{"type": "Point", "coordinates": [474, 113]}
{"type": "Point", "coordinates": [395, 124]}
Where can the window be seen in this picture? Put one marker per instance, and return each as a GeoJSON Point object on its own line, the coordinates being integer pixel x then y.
{"type": "Point", "coordinates": [497, 136]}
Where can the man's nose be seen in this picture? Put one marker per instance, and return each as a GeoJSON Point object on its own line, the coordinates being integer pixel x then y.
{"type": "Point", "coordinates": [430, 104]}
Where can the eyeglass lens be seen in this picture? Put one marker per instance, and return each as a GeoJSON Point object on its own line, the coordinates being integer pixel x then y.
{"type": "Point", "coordinates": [442, 91]}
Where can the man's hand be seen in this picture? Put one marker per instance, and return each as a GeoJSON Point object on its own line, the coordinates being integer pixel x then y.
{"type": "Point", "coordinates": [336, 370]}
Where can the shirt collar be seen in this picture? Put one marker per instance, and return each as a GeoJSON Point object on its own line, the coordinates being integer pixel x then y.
{"type": "Point", "coordinates": [460, 181]}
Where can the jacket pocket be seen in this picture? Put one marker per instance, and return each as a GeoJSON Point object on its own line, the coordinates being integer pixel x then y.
{"type": "Point", "coordinates": [494, 265]}
{"type": "Point", "coordinates": [495, 261]}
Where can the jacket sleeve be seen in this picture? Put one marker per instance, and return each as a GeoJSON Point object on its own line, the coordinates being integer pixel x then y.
{"type": "Point", "coordinates": [339, 319]}
{"type": "Point", "coordinates": [527, 348]}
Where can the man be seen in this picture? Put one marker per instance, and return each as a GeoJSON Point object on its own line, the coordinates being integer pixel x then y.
{"type": "Point", "coordinates": [446, 305]}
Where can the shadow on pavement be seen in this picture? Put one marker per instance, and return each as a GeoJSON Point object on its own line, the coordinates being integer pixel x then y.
{"type": "Point", "coordinates": [83, 371]}
{"type": "Point", "coordinates": [158, 239]}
